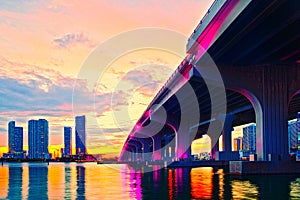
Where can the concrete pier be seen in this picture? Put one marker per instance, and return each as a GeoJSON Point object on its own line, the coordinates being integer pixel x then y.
{"type": "Point", "coordinates": [264, 167]}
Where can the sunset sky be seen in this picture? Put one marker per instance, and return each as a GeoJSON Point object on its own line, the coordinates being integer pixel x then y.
{"type": "Point", "coordinates": [43, 45]}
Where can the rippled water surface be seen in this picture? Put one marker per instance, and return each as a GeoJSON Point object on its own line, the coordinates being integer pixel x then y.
{"type": "Point", "coordinates": [92, 181]}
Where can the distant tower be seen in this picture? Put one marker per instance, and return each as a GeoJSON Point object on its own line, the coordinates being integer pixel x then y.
{"type": "Point", "coordinates": [68, 141]}
{"type": "Point", "coordinates": [249, 139]}
{"type": "Point", "coordinates": [80, 135]}
{"type": "Point", "coordinates": [15, 138]}
{"type": "Point", "coordinates": [38, 134]}
{"type": "Point", "coordinates": [294, 135]}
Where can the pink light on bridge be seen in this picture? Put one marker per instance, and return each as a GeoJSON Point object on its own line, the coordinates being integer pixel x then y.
{"type": "Point", "coordinates": [208, 36]}
{"type": "Point", "coordinates": [157, 155]}
{"type": "Point", "coordinates": [148, 113]}
{"type": "Point", "coordinates": [181, 152]}
{"type": "Point", "coordinates": [138, 126]}
{"type": "Point", "coordinates": [186, 71]}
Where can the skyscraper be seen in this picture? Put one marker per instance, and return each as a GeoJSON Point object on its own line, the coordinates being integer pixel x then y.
{"type": "Point", "coordinates": [32, 138]}
{"type": "Point", "coordinates": [11, 136]}
{"type": "Point", "coordinates": [294, 135]}
{"type": "Point", "coordinates": [249, 139]}
{"type": "Point", "coordinates": [15, 138]}
{"type": "Point", "coordinates": [38, 133]}
{"type": "Point", "coordinates": [68, 141]}
{"type": "Point", "coordinates": [80, 135]}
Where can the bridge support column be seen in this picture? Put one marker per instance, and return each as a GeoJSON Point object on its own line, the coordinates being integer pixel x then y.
{"type": "Point", "coordinates": [214, 149]}
{"type": "Point", "coordinates": [274, 115]}
{"type": "Point", "coordinates": [131, 156]}
{"type": "Point", "coordinates": [227, 153]}
{"type": "Point", "coordinates": [183, 146]}
{"type": "Point", "coordinates": [126, 156]}
{"type": "Point", "coordinates": [135, 154]}
{"type": "Point", "coordinates": [147, 152]}
{"type": "Point", "coordinates": [173, 150]}
{"type": "Point", "coordinates": [157, 153]}
{"type": "Point", "coordinates": [226, 134]}
{"type": "Point", "coordinates": [166, 154]}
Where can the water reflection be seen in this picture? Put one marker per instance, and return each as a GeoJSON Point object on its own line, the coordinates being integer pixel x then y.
{"type": "Point", "coordinates": [202, 183]}
{"type": "Point", "coordinates": [68, 189]}
{"type": "Point", "coordinates": [295, 189]}
{"type": "Point", "coordinates": [56, 181]}
{"type": "Point", "coordinates": [4, 176]}
{"type": "Point", "coordinates": [135, 184]}
{"type": "Point", "coordinates": [80, 180]}
{"type": "Point", "coordinates": [91, 181]}
{"type": "Point", "coordinates": [270, 187]}
{"type": "Point", "coordinates": [15, 183]}
{"type": "Point", "coordinates": [38, 181]}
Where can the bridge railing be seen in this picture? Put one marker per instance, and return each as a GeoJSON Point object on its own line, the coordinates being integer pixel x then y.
{"type": "Point", "coordinates": [211, 13]}
{"type": "Point", "coordinates": [178, 69]}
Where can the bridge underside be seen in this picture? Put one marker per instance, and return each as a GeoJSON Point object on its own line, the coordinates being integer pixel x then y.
{"type": "Point", "coordinates": [258, 57]}
{"type": "Point", "coordinates": [266, 32]}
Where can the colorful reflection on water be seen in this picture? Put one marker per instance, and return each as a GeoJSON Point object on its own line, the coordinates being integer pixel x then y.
{"type": "Point", "coordinates": [92, 181]}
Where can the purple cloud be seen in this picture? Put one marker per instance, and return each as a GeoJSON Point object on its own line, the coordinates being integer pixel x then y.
{"type": "Point", "coordinates": [71, 39]}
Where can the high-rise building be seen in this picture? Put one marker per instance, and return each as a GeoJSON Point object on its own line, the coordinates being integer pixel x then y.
{"type": "Point", "coordinates": [32, 138]}
{"type": "Point", "coordinates": [80, 135]}
{"type": "Point", "coordinates": [237, 144]}
{"type": "Point", "coordinates": [68, 141]}
{"type": "Point", "coordinates": [15, 138]}
{"type": "Point", "coordinates": [11, 136]}
{"type": "Point", "coordinates": [294, 135]}
{"type": "Point", "coordinates": [38, 138]}
{"type": "Point", "coordinates": [249, 139]}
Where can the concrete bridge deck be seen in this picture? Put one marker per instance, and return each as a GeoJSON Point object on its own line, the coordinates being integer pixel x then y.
{"type": "Point", "coordinates": [254, 45]}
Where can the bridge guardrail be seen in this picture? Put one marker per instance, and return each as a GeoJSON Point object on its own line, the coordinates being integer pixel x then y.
{"type": "Point", "coordinates": [211, 13]}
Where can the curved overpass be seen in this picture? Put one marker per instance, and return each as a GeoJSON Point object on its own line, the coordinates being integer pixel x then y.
{"type": "Point", "coordinates": [255, 47]}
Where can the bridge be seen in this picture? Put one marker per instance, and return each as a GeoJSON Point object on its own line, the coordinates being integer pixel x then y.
{"type": "Point", "coordinates": [242, 66]}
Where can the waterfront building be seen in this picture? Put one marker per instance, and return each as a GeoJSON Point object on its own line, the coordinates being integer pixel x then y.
{"type": "Point", "coordinates": [249, 139]}
{"type": "Point", "coordinates": [67, 141]}
{"type": "Point", "coordinates": [15, 142]}
{"type": "Point", "coordinates": [294, 135]}
{"type": "Point", "coordinates": [80, 135]}
{"type": "Point", "coordinates": [15, 138]}
{"type": "Point", "coordinates": [38, 139]}
{"type": "Point", "coordinates": [237, 144]}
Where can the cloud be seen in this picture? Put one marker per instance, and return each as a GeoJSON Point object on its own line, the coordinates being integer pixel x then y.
{"type": "Point", "coordinates": [70, 39]}
{"type": "Point", "coordinates": [22, 6]}
{"type": "Point", "coordinates": [111, 130]}
{"type": "Point", "coordinates": [28, 92]}
{"type": "Point", "coordinates": [34, 95]}
{"type": "Point", "coordinates": [3, 129]}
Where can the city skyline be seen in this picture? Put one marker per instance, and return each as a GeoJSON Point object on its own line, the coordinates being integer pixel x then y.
{"type": "Point", "coordinates": [56, 149]}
